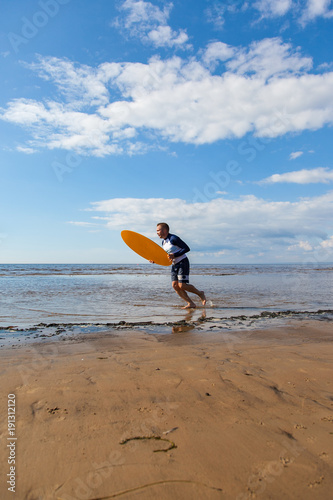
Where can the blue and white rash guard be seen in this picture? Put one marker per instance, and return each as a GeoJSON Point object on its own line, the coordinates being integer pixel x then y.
{"type": "Point", "coordinates": [173, 244]}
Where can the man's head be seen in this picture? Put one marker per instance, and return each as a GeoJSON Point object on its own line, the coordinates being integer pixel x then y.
{"type": "Point", "coordinates": [162, 230]}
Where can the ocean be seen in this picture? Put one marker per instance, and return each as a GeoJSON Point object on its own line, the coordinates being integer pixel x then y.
{"type": "Point", "coordinates": [41, 300]}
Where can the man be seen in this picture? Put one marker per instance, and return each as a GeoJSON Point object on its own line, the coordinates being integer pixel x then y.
{"type": "Point", "coordinates": [177, 249]}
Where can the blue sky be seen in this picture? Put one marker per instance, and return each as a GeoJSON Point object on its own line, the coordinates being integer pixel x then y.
{"type": "Point", "coordinates": [213, 116]}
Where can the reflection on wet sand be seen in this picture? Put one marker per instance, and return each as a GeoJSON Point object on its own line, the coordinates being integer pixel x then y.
{"type": "Point", "coordinates": [188, 319]}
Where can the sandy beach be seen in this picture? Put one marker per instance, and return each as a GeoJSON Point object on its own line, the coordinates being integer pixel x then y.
{"type": "Point", "coordinates": [180, 416]}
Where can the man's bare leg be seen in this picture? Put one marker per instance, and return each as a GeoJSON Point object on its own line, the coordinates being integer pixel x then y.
{"type": "Point", "coordinates": [183, 295]}
{"type": "Point", "coordinates": [186, 287]}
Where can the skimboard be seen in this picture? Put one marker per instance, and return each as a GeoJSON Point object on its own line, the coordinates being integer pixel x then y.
{"type": "Point", "coordinates": [145, 247]}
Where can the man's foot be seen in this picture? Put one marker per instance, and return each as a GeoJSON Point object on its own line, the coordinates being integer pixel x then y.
{"type": "Point", "coordinates": [203, 298]}
{"type": "Point", "coordinates": [190, 305]}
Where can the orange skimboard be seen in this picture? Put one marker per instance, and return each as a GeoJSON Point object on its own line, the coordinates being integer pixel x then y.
{"type": "Point", "coordinates": [145, 247]}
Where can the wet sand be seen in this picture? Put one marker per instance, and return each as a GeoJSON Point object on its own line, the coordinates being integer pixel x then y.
{"type": "Point", "coordinates": [202, 415]}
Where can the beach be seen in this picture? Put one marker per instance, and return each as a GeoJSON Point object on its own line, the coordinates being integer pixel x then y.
{"type": "Point", "coordinates": [189, 414]}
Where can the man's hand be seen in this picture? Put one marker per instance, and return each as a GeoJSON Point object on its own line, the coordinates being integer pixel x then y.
{"type": "Point", "coordinates": [171, 256]}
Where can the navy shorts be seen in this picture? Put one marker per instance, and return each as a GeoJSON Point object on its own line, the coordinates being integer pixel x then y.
{"type": "Point", "coordinates": [181, 271]}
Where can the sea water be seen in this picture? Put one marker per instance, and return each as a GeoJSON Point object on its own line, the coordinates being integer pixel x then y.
{"type": "Point", "coordinates": [68, 294]}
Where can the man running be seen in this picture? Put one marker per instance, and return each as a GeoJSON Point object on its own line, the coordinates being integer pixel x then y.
{"type": "Point", "coordinates": [180, 270]}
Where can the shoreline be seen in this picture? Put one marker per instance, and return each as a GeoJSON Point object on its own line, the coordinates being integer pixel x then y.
{"type": "Point", "coordinates": [195, 320]}
{"type": "Point", "coordinates": [238, 415]}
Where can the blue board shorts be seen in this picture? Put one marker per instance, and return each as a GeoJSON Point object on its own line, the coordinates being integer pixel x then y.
{"type": "Point", "coordinates": [181, 271]}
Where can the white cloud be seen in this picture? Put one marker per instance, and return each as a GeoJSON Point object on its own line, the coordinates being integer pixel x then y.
{"type": "Point", "coordinates": [149, 23]}
{"type": "Point", "coordinates": [304, 10]}
{"type": "Point", "coordinates": [243, 226]}
{"type": "Point", "coordinates": [215, 15]}
{"type": "Point", "coordinates": [295, 154]}
{"type": "Point", "coordinates": [269, 57]}
{"type": "Point", "coordinates": [217, 11]}
{"type": "Point", "coordinates": [58, 127]}
{"type": "Point", "coordinates": [317, 175]}
{"type": "Point", "coordinates": [265, 89]}
{"type": "Point", "coordinates": [327, 243]}
{"type": "Point", "coordinates": [163, 36]}
{"type": "Point", "coordinates": [83, 224]}
{"type": "Point", "coordinates": [139, 11]}
{"type": "Point", "coordinates": [303, 245]}
{"type": "Point", "coordinates": [80, 84]}
{"type": "Point", "coordinates": [217, 51]}
{"type": "Point", "coordinates": [273, 8]}
{"type": "Point", "coordinates": [317, 8]}
{"type": "Point", "coordinates": [325, 66]}
{"type": "Point", "coordinates": [26, 150]}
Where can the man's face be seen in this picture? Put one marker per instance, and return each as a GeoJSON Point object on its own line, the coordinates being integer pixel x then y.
{"type": "Point", "coordinates": [162, 232]}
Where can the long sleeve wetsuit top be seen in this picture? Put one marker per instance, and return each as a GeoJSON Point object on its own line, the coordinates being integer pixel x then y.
{"type": "Point", "coordinates": [173, 244]}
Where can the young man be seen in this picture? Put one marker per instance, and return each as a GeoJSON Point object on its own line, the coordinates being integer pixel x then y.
{"type": "Point", "coordinates": [180, 270]}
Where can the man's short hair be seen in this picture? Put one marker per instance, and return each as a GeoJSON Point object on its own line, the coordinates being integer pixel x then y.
{"type": "Point", "coordinates": [164, 225]}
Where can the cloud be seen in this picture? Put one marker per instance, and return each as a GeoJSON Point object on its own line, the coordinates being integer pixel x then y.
{"type": "Point", "coordinates": [327, 243]}
{"type": "Point", "coordinates": [325, 66]}
{"type": "Point", "coordinates": [239, 226]}
{"type": "Point", "coordinates": [273, 8]}
{"type": "Point", "coordinates": [148, 22]}
{"type": "Point", "coordinates": [163, 36]}
{"type": "Point", "coordinates": [83, 224]}
{"type": "Point", "coordinates": [80, 84]}
{"type": "Point", "coordinates": [56, 126]}
{"type": "Point", "coordinates": [267, 58]}
{"type": "Point", "coordinates": [317, 175]}
{"type": "Point", "coordinates": [295, 154]}
{"type": "Point", "coordinates": [215, 15]}
{"type": "Point", "coordinates": [304, 11]}
{"type": "Point", "coordinates": [216, 12]}
{"type": "Point", "coordinates": [303, 245]}
{"type": "Point", "coordinates": [265, 89]}
{"type": "Point", "coordinates": [140, 12]}
{"type": "Point", "coordinates": [26, 150]}
{"type": "Point", "coordinates": [316, 8]}
{"type": "Point", "coordinates": [217, 51]}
